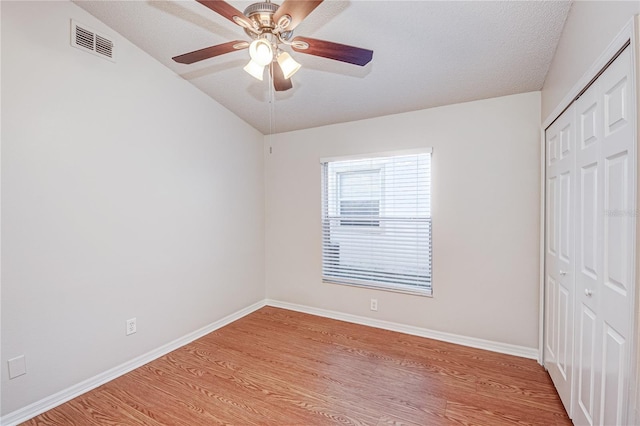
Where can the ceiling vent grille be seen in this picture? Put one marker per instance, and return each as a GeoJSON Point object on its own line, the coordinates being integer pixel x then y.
{"type": "Point", "coordinates": [84, 38]}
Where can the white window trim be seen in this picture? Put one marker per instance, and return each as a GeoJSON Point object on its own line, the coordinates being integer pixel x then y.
{"type": "Point", "coordinates": [396, 289]}
{"type": "Point", "coordinates": [377, 155]}
{"type": "Point", "coordinates": [418, 291]}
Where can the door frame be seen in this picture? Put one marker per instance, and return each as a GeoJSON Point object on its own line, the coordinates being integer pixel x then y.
{"type": "Point", "coordinates": [628, 34]}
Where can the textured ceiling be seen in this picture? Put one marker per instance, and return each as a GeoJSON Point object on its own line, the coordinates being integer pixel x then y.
{"type": "Point", "coordinates": [426, 54]}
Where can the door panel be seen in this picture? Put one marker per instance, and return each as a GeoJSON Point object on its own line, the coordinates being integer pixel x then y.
{"type": "Point", "coordinates": [586, 354]}
{"type": "Point", "coordinates": [566, 225]}
{"type": "Point", "coordinates": [564, 333]}
{"type": "Point", "coordinates": [616, 105]}
{"type": "Point", "coordinates": [617, 293]}
{"type": "Point", "coordinates": [551, 348]}
{"type": "Point", "coordinates": [552, 149]}
{"type": "Point", "coordinates": [588, 124]}
{"type": "Point", "coordinates": [566, 141]}
{"type": "Point", "coordinates": [617, 230]}
{"type": "Point", "coordinates": [552, 214]}
{"type": "Point", "coordinates": [613, 378]}
{"type": "Point", "coordinates": [559, 254]}
{"type": "Point", "coordinates": [588, 232]}
{"type": "Point", "coordinates": [604, 246]}
{"type": "Point", "coordinates": [589, 252]}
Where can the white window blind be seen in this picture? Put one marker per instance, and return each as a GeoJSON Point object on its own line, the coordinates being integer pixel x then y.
{"type": "Point", "coordinates": [376, 221]}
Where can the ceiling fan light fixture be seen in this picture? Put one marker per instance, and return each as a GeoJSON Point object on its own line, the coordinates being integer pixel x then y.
{"type": "Point", "coordinates": [254, 69]}
{"type": "Point", "coordinates": [261, 52]}
{"type": "Point", "coordinates": [288, 65]}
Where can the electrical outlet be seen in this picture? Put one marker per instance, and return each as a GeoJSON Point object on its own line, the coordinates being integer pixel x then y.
{"type": "Point", "coordinates": [131, 326]}
{"type": "Point", "coordinates": [374, 304]}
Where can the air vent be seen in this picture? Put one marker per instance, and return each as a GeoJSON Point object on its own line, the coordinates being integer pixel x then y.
{"type": "Point", "coordinates": [104, 46]}
{"type": "Point", "coordinates": [84, 38]}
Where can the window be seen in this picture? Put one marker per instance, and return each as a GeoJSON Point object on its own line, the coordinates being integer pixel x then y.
{"type": "Point", "coordinates": [359, 197]}
{"type": "Point", "coordinates": [376, 221]}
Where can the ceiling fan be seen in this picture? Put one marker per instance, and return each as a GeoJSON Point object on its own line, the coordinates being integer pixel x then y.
{"type": "Point", "coordinates": [271, 26]}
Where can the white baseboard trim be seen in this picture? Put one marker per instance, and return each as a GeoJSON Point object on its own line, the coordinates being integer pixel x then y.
{"type": "Point", "coordinates": [52, 401]}
{"type": "Point", "coordinates": [503, 348]}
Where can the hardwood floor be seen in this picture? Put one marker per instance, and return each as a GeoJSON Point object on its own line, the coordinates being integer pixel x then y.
{"type": "Point", "coordinates": [279, 367]}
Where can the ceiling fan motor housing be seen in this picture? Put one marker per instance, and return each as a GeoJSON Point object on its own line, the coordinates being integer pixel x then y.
{"type": "Point", "coordinates": [262, 15]}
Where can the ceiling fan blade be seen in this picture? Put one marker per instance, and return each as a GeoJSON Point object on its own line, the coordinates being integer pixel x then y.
{"type": "Point", "coordinates": [210, 52]}
{"type": "Point", "coordinates": [231, 13]}
{"type": "Point", "coordinates": [331, 50]}
{"type": "Point", "coordinates": [279, 82]}
{"type": "Point", "coordinates": [297, 10]}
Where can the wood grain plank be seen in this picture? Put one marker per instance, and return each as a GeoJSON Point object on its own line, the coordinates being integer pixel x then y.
{"type": "Point", "coordinates": [163, 407]}
{"type": "Point", "coordinates": [466, 413]}
{"type": "Point", "coordinates": [531, 393]}
{"type": "Point", "coordinates": [64, 414]}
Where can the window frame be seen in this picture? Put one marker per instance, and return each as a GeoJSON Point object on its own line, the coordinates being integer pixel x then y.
{"type": "Point", "coordinates": [325, 217]}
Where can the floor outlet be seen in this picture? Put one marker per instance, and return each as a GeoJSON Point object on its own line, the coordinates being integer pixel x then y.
{"type": "Point", "coordinates": [131, 326]}
{"type": "Point", "coordinates": [374, 304]}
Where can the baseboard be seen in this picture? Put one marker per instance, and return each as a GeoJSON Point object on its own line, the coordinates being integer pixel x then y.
{"type": "Point", "coordinates": [503, 348]}
{"type": "Point", "coordinates": [38, 407]}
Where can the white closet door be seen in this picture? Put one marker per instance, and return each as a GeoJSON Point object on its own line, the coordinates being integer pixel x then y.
{"type": "Point", "coordinates": [604, 244]}
{"type": "Point", "coordinates": [559, 277]}
{"type": "Point", "coordinates": [589, 234]}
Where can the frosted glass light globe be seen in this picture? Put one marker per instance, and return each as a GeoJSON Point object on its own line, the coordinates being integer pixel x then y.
{"type": "Point", "coordinates": [261, 52]}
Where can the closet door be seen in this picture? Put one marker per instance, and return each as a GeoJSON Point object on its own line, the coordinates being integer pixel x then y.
{"type": "Point", "coordinates": [604, 290]}
{"type": "Point", "coordinates": [559, 258]}
{"type": "Point", "coordinates": [589, 253]}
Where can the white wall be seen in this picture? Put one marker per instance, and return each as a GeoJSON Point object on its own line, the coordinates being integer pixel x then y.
{"type": "Point", "coordinates": [485, 217]}
{"type": "Point", "coordinates": [588, 30]}
{"type": "Point", "coordinates": [126, 192]}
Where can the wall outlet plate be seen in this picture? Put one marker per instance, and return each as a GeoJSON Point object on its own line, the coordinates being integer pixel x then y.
{"type": "Point", "coordinates": [131, 326]}
{"type": "Point", "coordinates": [374, 304]}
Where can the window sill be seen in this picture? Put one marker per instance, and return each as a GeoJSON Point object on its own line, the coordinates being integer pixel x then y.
{"type": "Point", "coordinates": [379, 286]}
